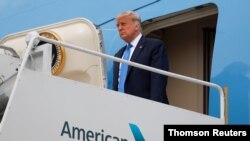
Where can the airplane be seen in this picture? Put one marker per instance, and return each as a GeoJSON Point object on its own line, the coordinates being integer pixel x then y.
{"type": "Point", "coordinates": [205, 39]}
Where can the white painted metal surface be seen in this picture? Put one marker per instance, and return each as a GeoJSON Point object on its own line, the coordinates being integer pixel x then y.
{"type": "Point", "coordinates": [42, 104]}
{"type": "Point", "coordinates": [166, 73]}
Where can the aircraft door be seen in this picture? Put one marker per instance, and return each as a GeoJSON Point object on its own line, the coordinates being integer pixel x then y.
{"type": "Point", "coordinates": [66, 62]}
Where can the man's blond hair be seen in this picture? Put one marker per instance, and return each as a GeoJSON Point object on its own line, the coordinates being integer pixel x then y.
{"type": "Point", "coordinates": [134, 17]}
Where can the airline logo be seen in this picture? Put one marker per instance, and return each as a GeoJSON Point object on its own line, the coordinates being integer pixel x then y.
{"type": "Point", "coordinates": [77, 133]}
{"type": "Point", "coordinates": [136, 132]}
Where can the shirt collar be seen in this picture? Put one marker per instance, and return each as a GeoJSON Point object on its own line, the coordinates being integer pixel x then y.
{"type": "Point", "coordinates": [136, 40]}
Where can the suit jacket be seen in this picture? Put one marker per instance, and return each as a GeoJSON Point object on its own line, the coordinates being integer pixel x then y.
{"type": "Point", "coordinates": [142, 83]}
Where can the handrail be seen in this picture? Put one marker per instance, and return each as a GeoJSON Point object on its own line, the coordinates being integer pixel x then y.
{"type": "Point", "coordinates": [9, 49]}
{"type": "Point", "coordinates": [35, 38]}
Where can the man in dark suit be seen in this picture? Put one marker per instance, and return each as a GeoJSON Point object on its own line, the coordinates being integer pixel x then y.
{"type": "Point", "coordinates": [146, 51]}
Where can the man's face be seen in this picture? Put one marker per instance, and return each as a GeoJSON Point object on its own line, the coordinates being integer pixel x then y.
{"type": "Point", "coordinates": [128, 30]}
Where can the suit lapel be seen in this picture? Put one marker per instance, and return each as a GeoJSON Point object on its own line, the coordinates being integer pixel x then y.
{"type": "Point", "coordinates": [120, 54]}
{"type": "Point", "coordinates": [117, 64]}
{"type": "Point", "coordinates": [137, 52]}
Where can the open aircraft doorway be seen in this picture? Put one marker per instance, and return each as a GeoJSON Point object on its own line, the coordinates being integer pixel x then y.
{"type": "Point", "coordinates": [189, 36]}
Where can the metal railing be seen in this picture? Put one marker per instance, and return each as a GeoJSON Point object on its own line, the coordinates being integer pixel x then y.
{"type": "Point", "coordinates": [11, 50]}
{"type": "Point", "coordinates": [35, 38]}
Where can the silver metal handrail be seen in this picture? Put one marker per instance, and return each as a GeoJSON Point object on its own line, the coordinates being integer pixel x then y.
{"type": "Point", "coordinates": [36, 38]}
{"type": "Point", "coordinates": [13, 52]}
